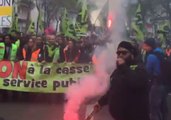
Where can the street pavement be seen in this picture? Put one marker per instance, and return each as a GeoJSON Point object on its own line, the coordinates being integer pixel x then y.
{"type": "Point", "coordinates": [46, 111]}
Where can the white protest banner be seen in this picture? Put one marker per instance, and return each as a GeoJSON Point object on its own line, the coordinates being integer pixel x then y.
{"type": "Point", "coordinates": [5, 13]}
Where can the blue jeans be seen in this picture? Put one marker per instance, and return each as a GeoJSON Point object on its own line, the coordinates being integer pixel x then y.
{"type": "Point", "coordinates": [158, 102]}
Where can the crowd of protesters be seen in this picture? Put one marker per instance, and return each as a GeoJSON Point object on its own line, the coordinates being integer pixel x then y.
{"type": "Point", "coordinates": [53, 48]}
{"type": "Point", "coordinates": [49, 48]}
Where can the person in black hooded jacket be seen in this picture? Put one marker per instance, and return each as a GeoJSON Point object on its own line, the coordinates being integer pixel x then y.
{"type": "Point", "coordinates": [128, 94]}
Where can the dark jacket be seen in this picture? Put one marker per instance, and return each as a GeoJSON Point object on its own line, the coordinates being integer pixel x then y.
{"type": "Point", "coordinates": [128, 94]}
{"type": "Point", "coordinates": [72, 55]}
{"type": "Point", "coordinates": [61, 52]}
{"type": "Point", "coordinates": [85, 54]}
{"type": "Point", "coordinates": [49, 53]}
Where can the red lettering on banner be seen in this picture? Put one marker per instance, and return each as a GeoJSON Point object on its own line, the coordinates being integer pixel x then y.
{"type": "Point", "coordinates": [20, 70]}
{"type": "Point", "coordinates": [7, 72]}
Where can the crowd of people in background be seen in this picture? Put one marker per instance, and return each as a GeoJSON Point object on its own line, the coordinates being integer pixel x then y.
{"type": "Point", "coordinates": [53, 48]}
{"type": "Point", "coordinates": [56, 49]}
{"type": "Point", "coordinates": [49, 48]}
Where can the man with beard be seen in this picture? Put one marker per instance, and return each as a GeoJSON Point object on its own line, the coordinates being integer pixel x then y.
{"type": "Point", "coordinates": [128, 94]}
{"type": "Point", "coordinates": [50, 51]}
{"type": "Point", "coordinates": [39, 42]}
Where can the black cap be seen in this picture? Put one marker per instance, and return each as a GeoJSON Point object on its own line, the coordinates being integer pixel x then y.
{"type": "Point", "coordinates": [150, 42]}
{"type": "Point", "coordinates": [129, 47]}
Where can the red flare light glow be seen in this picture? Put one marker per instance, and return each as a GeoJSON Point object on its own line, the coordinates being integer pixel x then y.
{"type": "Point", "coordinates": [110, 20]}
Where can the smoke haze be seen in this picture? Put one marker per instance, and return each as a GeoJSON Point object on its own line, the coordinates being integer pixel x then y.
{"type": "Point", "coordinates": [95, 85]}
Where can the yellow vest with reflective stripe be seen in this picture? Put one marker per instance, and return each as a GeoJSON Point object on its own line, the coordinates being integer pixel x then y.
{"type": "Point", "coordinates": [13, 51]}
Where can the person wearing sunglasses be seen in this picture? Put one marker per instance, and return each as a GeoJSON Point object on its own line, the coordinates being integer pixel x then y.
{"type": "Point", "coordinates": [127, 96]}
